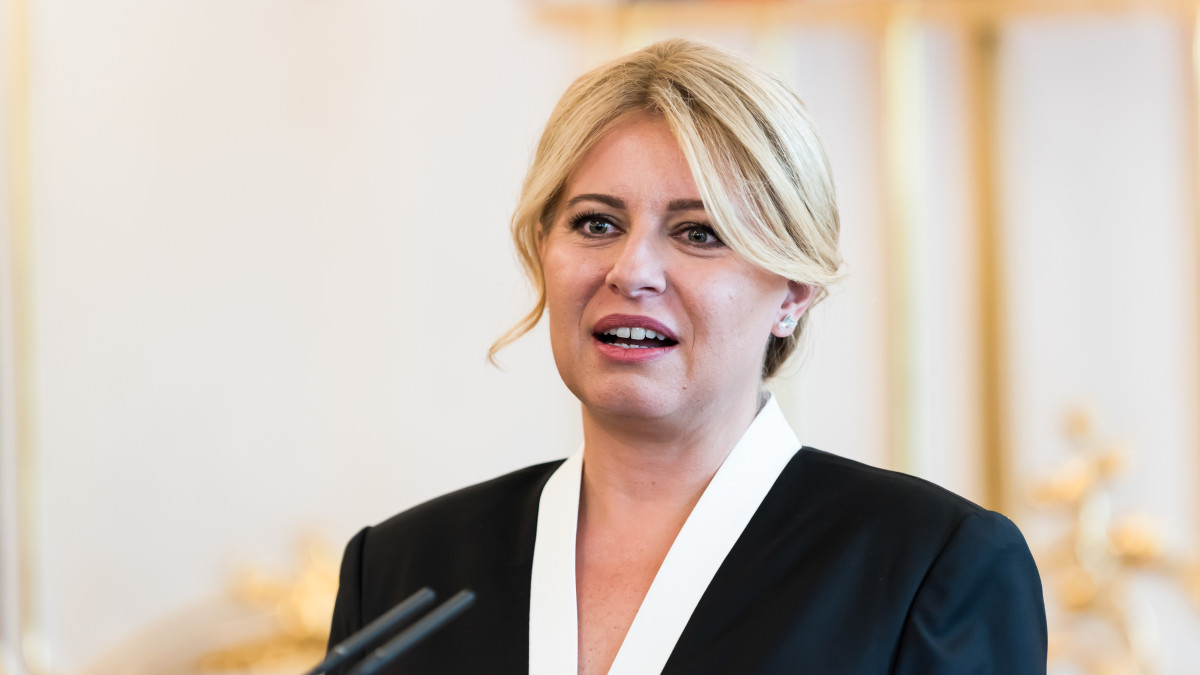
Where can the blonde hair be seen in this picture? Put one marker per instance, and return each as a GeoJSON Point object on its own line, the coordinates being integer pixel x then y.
{"type": "Point", "coordinates": [751, 147]}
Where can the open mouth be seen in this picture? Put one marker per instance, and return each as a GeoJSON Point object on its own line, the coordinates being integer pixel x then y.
{"type": "Point", "coordinates": [634, 338]}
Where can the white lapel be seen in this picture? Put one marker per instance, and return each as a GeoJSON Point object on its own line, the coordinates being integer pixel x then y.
{"type": "Point", "coordinates": [553, 617]}
{"type": "Point", "coordinates": [715, 523]}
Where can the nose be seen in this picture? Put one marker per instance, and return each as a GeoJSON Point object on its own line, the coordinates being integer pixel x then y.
{"type": "Point", "coordinates": [639, 268]}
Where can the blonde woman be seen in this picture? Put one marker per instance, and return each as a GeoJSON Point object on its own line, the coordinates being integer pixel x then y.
{"type": "Point", "coordinates": [679, 222]}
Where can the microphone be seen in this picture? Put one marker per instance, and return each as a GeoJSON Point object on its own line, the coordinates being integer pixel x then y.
{"type": "Point", "coordinates": [420, 630]}
{"type": "Point", "coordinates": [359, 641]}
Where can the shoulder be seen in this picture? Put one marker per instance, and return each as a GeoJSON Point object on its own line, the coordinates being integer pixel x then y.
{"type": "Point", "coordinates": [969, 589]}
{"type": "Point", "coordinates": [471, 509]}
{"type": "Point", "coordinates": [976, 594]}
{"type": "Point", "coordinates": [469, 502]}
{"type": "Point", "coordinates": [479, 537]}
{"type": "Point", "coordinates": [447, 543]}
{"type": "Point", "coordinates": [885, 498]}
{"type": "Point", "coordinates": [913, 523]}
{"type": "Point", "coordinates": [873, 561]}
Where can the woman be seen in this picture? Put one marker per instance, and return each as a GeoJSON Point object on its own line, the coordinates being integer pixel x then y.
{"type": "Point", "coordinates": [678, 222]}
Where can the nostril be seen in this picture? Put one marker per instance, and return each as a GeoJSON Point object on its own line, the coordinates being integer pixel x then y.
{"type": "Point", "coordinates": [632, 278]}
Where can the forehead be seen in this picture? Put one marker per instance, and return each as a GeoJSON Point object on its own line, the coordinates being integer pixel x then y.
{"type": "Point", "coordinates": [638, 159]}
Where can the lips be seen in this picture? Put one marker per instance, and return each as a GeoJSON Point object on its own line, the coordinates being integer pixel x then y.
{"type": "Point", "coordinates": [633, 321]}
{"type": "Point", "coordinates": [629, 333]}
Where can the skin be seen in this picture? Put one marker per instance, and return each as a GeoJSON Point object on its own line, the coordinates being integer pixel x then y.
{"type": "Point", "coordinates": [655, 431]}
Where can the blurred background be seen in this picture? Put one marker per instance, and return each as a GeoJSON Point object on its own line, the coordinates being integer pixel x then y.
{"type": "Point", "coordinates": [254, 252]}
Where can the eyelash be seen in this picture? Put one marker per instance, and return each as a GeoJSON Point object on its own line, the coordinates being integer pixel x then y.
{"type": "Point", "coordinates": [578, 222]}
{"type": "Point", "coordinates": [716, 241]}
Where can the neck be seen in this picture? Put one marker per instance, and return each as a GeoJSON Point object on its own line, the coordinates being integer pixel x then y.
{"type": "Point", "coordinates": [659, 464]}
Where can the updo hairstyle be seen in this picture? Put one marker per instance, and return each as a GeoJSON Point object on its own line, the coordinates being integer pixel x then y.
{"type": "Point", "coordinates": [753, 151]}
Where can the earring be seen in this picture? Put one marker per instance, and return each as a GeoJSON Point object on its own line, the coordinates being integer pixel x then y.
{"type": "Point", "coordinates": [787, 323]}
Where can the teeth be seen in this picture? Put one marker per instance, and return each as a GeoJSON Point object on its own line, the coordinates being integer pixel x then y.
{"type": "Point", "coordinates": [635, 333]}
{"type": "Point", "coordinates": [622, 344]}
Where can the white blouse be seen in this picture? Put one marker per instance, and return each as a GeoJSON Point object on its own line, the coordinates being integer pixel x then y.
{"type": "Point", "coordinates": [713, 526]}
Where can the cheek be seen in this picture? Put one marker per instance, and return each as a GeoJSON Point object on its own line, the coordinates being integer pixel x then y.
{"type": "Point", "coordinates": [556, 275]}
{"type": "Point", "coordinates": [570, 282]}
{"type": "Point", "coordinates": [735, 312]}
{"type": "Point", "coordinates": [561, 315]}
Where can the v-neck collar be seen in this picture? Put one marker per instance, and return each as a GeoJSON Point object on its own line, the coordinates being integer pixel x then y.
{"type": "Point", "coordinates": [710, 531]}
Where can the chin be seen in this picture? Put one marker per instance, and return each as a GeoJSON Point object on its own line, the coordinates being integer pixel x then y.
{"type": "Point", "coordinates": [626, 401]}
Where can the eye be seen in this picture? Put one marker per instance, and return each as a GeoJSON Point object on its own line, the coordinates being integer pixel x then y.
{"type": "Point", "coordinates": [701, 235]}
{"type": "Point", "coordinates": [596, 227]}
{"type": "Point", "coordinates": [592, 224]}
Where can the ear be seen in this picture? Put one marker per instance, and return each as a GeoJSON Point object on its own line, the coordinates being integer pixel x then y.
{"type": "Point", "coordinates": [797, 301]}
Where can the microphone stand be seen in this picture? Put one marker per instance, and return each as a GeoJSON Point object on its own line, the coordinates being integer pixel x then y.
{"type": "Point", "coordinates": [423, 628]}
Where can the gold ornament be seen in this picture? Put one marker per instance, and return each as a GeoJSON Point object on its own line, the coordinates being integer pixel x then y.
{"type": "Point", "coordinates": [1089, 567]}
{"type": "Point", "coordinates": [301, 608]}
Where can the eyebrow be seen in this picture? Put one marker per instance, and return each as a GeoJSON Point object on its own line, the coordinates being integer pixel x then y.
{"type": "Point", "coordinates": [685, 205]}
{"type": "Point", "coordinates": [617, 203]}
{"type": "Point", "coordinates": [608, 200]}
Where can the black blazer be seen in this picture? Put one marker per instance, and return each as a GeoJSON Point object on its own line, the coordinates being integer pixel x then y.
{"type": "Point", "coordinates": [844, 568]}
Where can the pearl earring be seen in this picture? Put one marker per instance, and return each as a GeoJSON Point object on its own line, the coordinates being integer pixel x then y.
{"type": "Point", "coordinates": [787, 323]}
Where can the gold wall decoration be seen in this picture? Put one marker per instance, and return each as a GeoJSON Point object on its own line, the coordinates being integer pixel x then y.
{"type": "Point", "coordinates": [1190, 21]}
{"type": "Point", "coordinates": [1095, 559]}
{"type": "Point", "coordinates": [265, 622]}
{"type": "Point", "coordinates": [25, 643]}
{"type": "Point", "coordinates": [982, 52]}
{"type": "Point", "coordinates": [301, 607]}
{"type": "Point", "coordinates": [741, 12]}
{"type": "Point", "coordinates": [902, 141]}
